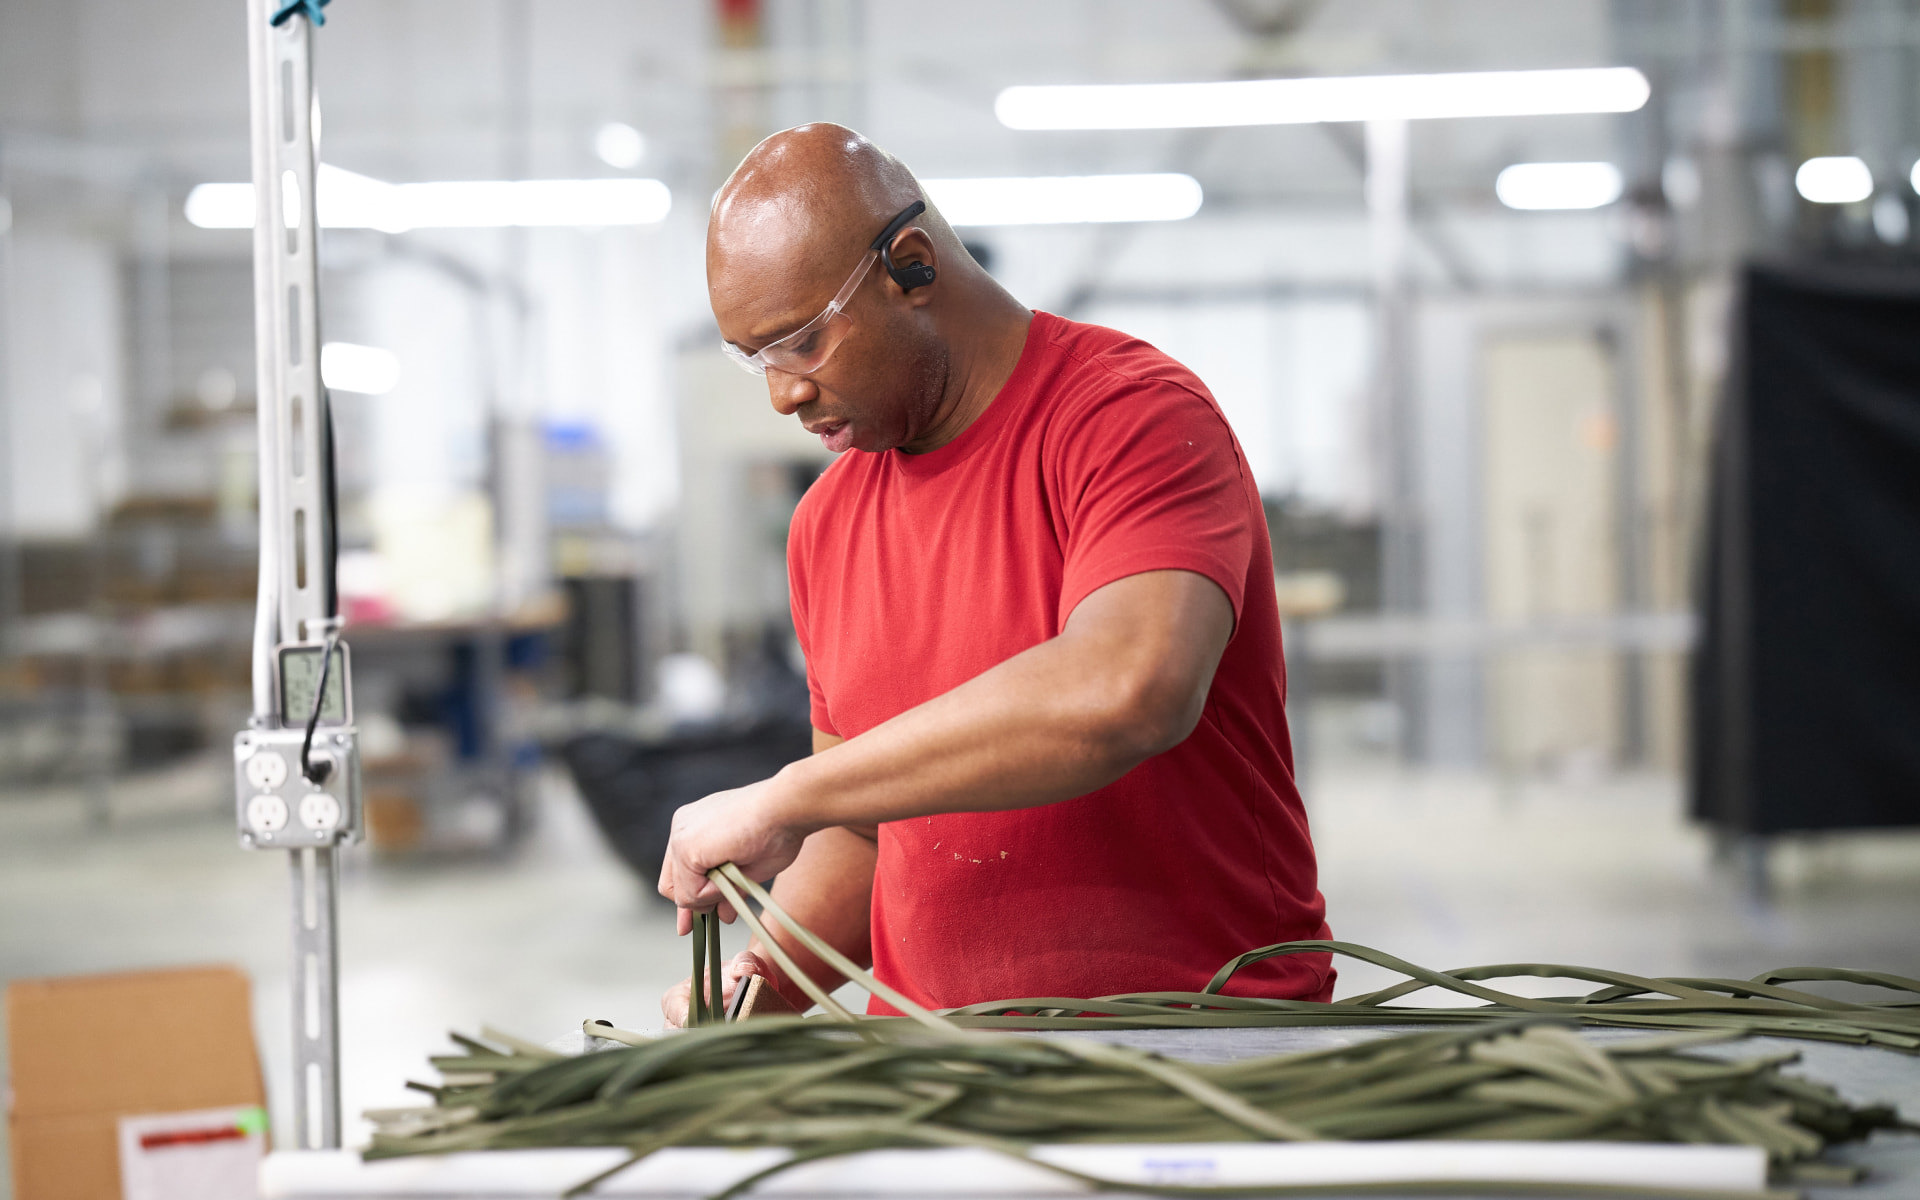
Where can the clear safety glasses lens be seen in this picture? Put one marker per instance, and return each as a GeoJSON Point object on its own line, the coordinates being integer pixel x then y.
{"type": "Point", "coordinates": [801, 353]}
{"type": "Point", "coordinates": [807, 348]}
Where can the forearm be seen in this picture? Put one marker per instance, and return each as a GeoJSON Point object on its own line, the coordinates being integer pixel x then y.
{"type": "Point", "coordinates": [1127, 679]}
{"type": "Point", "coordinates": [1017, 736]}
{"type": "Point", "coordinates": [829, 890]}
{"type": "Point", "coordinates": [1057, 721]}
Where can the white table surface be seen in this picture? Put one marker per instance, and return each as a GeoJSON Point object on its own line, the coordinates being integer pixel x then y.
{"type": "Point", "coordinates": [1861, 1074]}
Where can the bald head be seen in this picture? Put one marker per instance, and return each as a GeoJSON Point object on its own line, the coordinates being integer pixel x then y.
{"type": "Point", "coordinates": [790, 227]}
{"type": "Point", "coordinates": [815, 188]}
{"type": "Point", "coordinates": [805, 203]}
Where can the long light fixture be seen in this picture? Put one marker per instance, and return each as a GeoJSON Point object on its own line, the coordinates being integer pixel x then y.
{"type": "Point", "coordinates": [369, 370]}
{"type": "Point", "coordinates": [1065, 199]}
{"type": "Point", "coordinates": [348, 200]}
{"type": "Point", "coordinates": [1551, 185]}
{"type": "Point", "coordinates": [1840, 179]}
{"type": "Point", "coordinates": [1314, 100]}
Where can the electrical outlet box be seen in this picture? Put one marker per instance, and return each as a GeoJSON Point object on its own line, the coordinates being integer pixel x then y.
{"type": "Point", "coordinates": [278, 807]}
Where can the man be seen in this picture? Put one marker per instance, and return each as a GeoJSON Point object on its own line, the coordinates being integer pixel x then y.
{"type": "Point", "coordinates": [1037, 607]}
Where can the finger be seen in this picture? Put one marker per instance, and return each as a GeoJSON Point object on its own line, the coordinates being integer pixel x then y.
{"type": "Point", "coordinates": [741, 969]}
{"type": "Point", "coordinates": [726, 912]}
{"type": "Point", "coordinates": [674, 1003]}
{"type": "Point", "coordinates": [726, 990]}
{"type": "Point", "coordinates": [683, 921]}
{"type": "Point", "coordinates": [689, 885]}
{"type": "Point", "coordinates": [700, 895]}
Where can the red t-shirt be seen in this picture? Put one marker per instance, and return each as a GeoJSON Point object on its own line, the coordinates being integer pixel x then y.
{"type": "Point", "coordinates": [912, 573]}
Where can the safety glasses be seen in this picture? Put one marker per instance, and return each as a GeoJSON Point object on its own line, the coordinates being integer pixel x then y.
{"type": "Point", "coordinates": [807, 348]}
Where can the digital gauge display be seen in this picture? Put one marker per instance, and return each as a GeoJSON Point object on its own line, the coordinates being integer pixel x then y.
{"type": "Point", "coordinates": [300, 676]}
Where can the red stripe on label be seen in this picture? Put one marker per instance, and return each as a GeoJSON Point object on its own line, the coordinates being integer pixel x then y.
{"type": "Point", "coordinates": [191, 1137]}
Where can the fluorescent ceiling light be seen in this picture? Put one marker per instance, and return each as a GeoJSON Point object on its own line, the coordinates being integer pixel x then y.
{"type": "Point", "coordinates": [1913, 177]}
{"type": "Point", "coordinates": [1837, 180]}
{"type": "Point", "coordinates": [221, 206]}
{"type": "Point", "coordinates": [1308, 101]}
{"type": "Point", "coordinates": [348, 200]}
{"type": "Point", "coordinates": [345, 367]}
{"type": "Point", "coordinates": [490, 204]}
{"type": "Point", "coordinates": [620, 145]}
{"type": "Point", "coordinates": [1558, 185]}
{"type": "Point", "coordinates": [1064, 199]}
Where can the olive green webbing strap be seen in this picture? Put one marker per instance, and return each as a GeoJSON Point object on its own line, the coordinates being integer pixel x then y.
{"type": "Point", "coordinates": [808, 1085]}
{"type": "Point", "coordinates": [1755, 1006]}
{"type": "Point", "coordinates": [831, 1087]}
{"type": "Point", "coordinates": [1225, 1104]}
{"type": "Point", "coordinates": [697, 1000]}
{"type": "Point", "coordinates": [814, 991]}
{"type": "Point", "coordinates": [715, 1009]}
{"type": "Point", "coordinates": [729, 878]}
{"type": "Point", "coordinates": [1758, 1007]}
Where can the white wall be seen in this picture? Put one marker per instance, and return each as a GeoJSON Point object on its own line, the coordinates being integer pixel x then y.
{"type": "Point", "coordinates": [63, 382]}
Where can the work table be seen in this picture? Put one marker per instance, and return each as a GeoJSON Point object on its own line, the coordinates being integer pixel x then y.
{"type": "Point", "coordinates": [1861, 1074]}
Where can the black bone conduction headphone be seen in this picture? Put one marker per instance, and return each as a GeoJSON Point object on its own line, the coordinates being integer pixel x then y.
{"type": "Point", "coordinates": [914, 274]}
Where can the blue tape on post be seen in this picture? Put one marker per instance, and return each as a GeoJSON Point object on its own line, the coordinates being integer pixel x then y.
{"type": "Point", "coordinates": [310, 9]}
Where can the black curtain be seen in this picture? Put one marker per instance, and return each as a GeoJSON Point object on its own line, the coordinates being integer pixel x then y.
{"type": "Point", "coordinates": [1806, 687]}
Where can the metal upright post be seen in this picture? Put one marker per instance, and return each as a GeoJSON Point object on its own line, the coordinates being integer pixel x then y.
{"type": "Point", "coordinates": [316, 998]}
{"type": "Point", "coordinates": [1389, 209]}
{"type": "Point", "coordinates": [9, 537]}
{"type": "Point", "coordinates": [296, 788]}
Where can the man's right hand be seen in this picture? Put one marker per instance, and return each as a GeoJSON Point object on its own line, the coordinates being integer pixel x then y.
{"type": "Point", "coordinates": [828, 889]}
{"type": "Point", "coordinates": [679, 998]}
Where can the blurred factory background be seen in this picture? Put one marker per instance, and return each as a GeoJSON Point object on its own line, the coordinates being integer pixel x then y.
{"type": "Point", "coordinates": [1499, 378]}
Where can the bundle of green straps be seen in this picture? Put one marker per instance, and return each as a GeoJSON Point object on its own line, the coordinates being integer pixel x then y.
{"type": "Point", "coordinates": [1516, 1071]}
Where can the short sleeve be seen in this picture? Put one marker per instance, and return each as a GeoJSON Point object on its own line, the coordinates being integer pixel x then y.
{"type": "Point", "coordinates": [1152, 480]}
{"type": "Point", "coordinates": [797, 557]}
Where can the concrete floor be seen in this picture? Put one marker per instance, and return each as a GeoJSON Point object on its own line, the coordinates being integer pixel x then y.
{"type": "Point", "coordinates": [1445, 870]}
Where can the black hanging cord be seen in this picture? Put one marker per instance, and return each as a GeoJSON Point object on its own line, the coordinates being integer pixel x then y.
{"type": "Point", "coordinates": [317, 772]}
{"type": "Point", "coordinates": [330, 506]}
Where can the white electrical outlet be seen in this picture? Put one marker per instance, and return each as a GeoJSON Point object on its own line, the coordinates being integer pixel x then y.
{"type": "Point", "coordinates": [319, 812]}
{"type": "Point", "coordinates": [266, 770]}
{"type": "Point", "coordinates": [267, 814]}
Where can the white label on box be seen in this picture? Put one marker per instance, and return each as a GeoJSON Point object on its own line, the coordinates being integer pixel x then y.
{"type": "Point", "coordinates": [212, 1154]}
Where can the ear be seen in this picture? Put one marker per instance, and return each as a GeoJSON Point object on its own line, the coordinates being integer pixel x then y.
{"type": "Point", "coordinates": [914, 266]}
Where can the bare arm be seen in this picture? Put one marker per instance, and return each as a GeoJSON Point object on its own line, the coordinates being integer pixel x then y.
{"type": "Point", "coordinates": [1126, 679]}
{"type": "Point", "coordinates": [828, 889]}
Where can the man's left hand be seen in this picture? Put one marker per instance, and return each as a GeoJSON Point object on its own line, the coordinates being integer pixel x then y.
{"type": "Point", "coordinates": [740, 826]}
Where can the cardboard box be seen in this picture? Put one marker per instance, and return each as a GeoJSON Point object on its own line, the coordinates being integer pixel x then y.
{"type": "Point", "coordinates": [87, 1051]}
